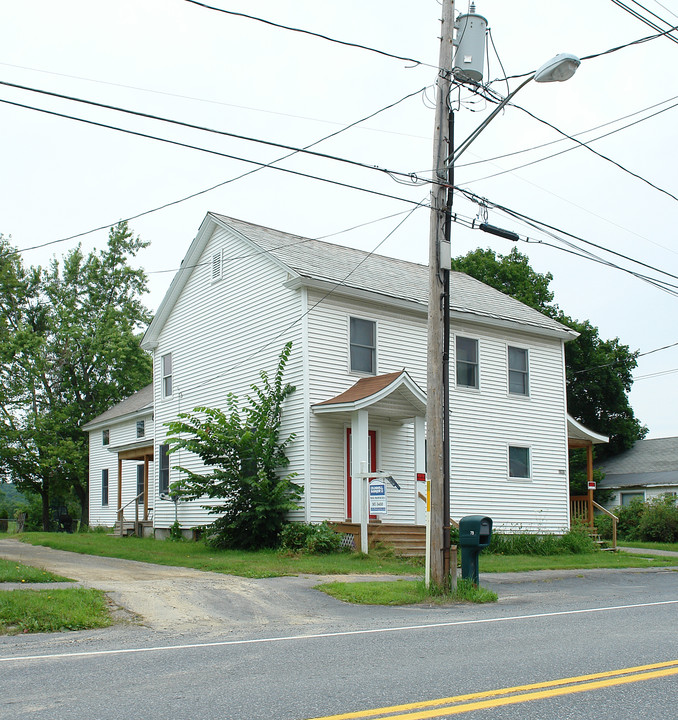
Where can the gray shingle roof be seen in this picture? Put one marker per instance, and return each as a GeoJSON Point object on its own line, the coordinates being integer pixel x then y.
{"type": "Point", "coordinates": [398, 279]}
{"type": "Point", "coordinates": [646, 456]}
{"type": "Point", "coordinates": [142, 399]}
{"type": "Point", "coordinates": [648, 479]}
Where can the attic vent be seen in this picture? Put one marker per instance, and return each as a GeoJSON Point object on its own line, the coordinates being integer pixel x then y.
{"type": "Point", "coordinates": [216, 266]}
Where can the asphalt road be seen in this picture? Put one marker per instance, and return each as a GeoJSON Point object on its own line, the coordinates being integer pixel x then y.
{"type": "Point", "coordinates": [322, 657]}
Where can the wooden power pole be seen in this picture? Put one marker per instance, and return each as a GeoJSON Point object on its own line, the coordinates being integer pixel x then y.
{"type": "Point", "coordinates": [437, 418]}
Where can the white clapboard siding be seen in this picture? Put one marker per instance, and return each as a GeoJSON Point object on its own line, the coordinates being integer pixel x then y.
{"type": "Point", "coordinates": [122, 431]}
{"type": "Point", "coordinates": [221, 335]}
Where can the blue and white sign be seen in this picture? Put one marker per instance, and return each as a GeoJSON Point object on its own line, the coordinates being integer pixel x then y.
{"type": "Point", "coordinates": [378, 502]}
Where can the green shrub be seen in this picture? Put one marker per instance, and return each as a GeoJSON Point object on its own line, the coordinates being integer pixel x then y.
{"type": "Point", "coordinates": [603, 525]}
{"type": "Point", "coordinates": [659, 522]}
{"type": "Point", "coordinates": [629, 519]}
{"type": "Point", "coordinates": [304, 537]}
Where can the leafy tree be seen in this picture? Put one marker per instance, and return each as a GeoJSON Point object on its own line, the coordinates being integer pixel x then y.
{"type": "Point", "coordinates": [69, 349]}
{"type": "Point", "coordinates": [247, 455]}
{"type": "Point", "coordinates": [598, 372]}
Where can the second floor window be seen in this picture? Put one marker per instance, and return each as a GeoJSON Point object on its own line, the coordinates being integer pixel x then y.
{"type": "Point", "coordinates": [467, 362]}
{"type": "Point", "coordinates": [166, 362]}
{"type": "Point", "coordinates": [141, 428]}
{"type": "Point", "coordinates": [518, 371]}
{"type": "Point", "coordinates": [105, 436]}
{"type": "Point", "coordinates": [363, 346]}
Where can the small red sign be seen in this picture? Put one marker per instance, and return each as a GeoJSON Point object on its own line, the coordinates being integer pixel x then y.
{"type": "Point", "coordinates": [421, 477]}
{"type": "Point", "coordinates": [592, 484]}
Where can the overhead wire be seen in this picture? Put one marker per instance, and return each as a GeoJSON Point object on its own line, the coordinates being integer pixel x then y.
{"type": "Point", "coordinates": [312, 34]}
{"type": "Point", "coordinates": [645, 20]}
{"type": "Point", "coordinates": [213, 131]}
{"type": "Point", "coordinates": [221, 184]}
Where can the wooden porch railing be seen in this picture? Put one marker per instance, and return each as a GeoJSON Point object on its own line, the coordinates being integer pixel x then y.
{"type": "Point", "coordinates": [137, 523]}
{"type": "Point", "coordinates": [582, 511]}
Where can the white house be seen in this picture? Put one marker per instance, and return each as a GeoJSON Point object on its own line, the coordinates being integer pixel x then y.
{"type": "Point", "coordinates": [649, 469]}
{"type": "Point", "coordinates": [358, 326]}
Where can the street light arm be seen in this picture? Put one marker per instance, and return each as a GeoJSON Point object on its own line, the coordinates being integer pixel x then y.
{"type": "Point", "coordinates": [471, 138]}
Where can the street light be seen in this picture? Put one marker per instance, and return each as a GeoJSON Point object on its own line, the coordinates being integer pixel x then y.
{"type": "Point", "coordinates": [558, 69]}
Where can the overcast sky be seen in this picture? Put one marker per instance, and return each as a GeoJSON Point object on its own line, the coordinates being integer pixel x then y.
{"type": "Point", "coordinates": [175, 59]}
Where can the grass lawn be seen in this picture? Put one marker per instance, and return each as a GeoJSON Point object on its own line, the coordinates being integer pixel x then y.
{"type": "Point", "coordinates": [31, 611]}
{"type": "Point", "coordinates": [673, 547]}
{"type": "Point", "coordinates": [13, 572]}
{"type": "Point", "coordinates": [260, 564]}
{"type": "Point", "coordinates": [271, 563]}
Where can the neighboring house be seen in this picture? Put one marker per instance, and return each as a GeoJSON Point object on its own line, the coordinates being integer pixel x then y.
{"type": "Point", "coordinates": [120, 457]}
{"type": "Point", "coordinates": [358, 326]}
{"type": "Point", "coordinates": [648, 469]}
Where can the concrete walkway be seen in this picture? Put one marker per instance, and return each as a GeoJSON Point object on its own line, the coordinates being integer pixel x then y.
{"type": "Point", "coordinates": [645, 551]}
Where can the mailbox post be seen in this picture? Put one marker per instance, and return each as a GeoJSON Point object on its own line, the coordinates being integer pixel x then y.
{"type": "Point", "coordinates": [475, 532]}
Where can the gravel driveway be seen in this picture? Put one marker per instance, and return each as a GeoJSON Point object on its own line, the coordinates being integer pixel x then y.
{"type": "Point", "coordinates": [175, 598]}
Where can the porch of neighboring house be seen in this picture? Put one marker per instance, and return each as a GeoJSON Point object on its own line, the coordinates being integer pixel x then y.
{"type": "Point", "coordinates": [583, 507]}
{"type": "Point", "coordinates": [135, 516]}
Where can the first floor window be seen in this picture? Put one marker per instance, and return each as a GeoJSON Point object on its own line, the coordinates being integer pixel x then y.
{"type": "Point", "coordinates": [163, 480]}
{"type": "Point", "coordinates": [104, 487]}
{"type": "Point", "coordinates": [467, 362]}
{"type": "Point", "coordinates": [363, 346]}
{"type": "Point", "coordinates": [166, 363]}
{"type": "Point", "coordinates": [628, 497]}
{"type": "Point", "coordinates": [519, 462]}
{"type": "Point", "coordinates": [518, 371]}
{"type": "Point", "coordinates": [140, 481]}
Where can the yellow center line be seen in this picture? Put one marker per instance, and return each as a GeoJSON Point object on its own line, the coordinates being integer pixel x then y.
{"type": "Point", "coordinates": [518, 694]}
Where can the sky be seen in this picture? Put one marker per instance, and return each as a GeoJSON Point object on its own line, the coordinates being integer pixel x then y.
{"type": "Point", "coordinates": [179, 60]}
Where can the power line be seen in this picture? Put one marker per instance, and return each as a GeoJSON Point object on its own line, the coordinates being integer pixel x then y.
{"type": "Point", "coordinates": [312, 34]}
{"type": "Point", "coordinates": [202, 128]}
{"type": "Point", "coordinates": [645, 20]}
{"type": "Point", "coordinates": [221, 184]}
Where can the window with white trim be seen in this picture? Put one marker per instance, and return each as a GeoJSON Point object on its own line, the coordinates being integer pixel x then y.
{"type": "Point", "coordinates": [467, 362]}
{"type": "Point", "coordinates": [519, 462]}
{"type": "Point", "coordinates": [104, 486]}
{"type": "Point", "coordinates": [166, 364]}
{"type": "Point", "coordinates": [141, 428]}
{"type": "Point", "coordinates": [140, 480]}
{"type": "Point", "coordinates": [363, 350]}
{"type": "Point", "coordinates": [164, 469]}
{"type": "Point", "coordinates": [518, 371]}
{"type": "Point", "coordinates": [105, 436]}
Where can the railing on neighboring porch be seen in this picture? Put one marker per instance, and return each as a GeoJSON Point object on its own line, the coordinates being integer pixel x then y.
{"type": "Point", "coordinates": [138, 524]}
{"type": "Point", "coordinates": [581, 510]}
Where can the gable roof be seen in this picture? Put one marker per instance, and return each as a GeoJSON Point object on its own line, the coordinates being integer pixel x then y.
{"type": "Point", "coordinates": [140, 402]}
{"type": "Point", "coordinates": [646, 456]}
{"type": "Point", "coordinates": [375, 277]}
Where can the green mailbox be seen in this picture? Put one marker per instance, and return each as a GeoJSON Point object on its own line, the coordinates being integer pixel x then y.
{"type": "Point", "coordinates": [475, 533]}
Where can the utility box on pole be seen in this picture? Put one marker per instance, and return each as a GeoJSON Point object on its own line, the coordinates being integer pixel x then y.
{"type": "Point", "coordinates": [469, 59]}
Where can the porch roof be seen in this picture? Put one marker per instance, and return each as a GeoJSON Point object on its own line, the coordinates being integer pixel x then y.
{"type": "Point", "coordinates": [394, 395]}
{"type": "Point", "coordinates": [579, 436]}
{"type": "Point", "coordinates": [134, 451]}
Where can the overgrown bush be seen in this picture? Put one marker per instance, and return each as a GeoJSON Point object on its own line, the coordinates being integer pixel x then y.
{"type": "Point", "coordinates": [247, 456]}
{"type": "Point", "coordinates": [659, 522]}
{"type": "Point", "coordinates": [305, 537]}
{"type": "Point", "coordinates": [629, 519]}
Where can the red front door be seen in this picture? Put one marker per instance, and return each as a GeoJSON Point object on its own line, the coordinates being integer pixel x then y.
{"type": "Point", "coordinates": [371, 462]}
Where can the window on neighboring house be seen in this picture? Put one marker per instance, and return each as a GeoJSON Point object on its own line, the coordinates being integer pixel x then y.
{"type": "Point", "coordinates": [105, 436]}
{"type": "Point", "coordinates": [164, 469]}
{"type": "Point", "coordinates": [467, 362]}
{"type": "Point", "coordinates": [166, 362]}
{"type": "Point", "coordinates": [627, 498]}
{"type": "Point", "coordinates": [518, 371]}
{"type": "Point", "coordinates": [141, 428]}
{"type": "Point", "coordinates": [104, 487]}
{"type": "Point", "coordinates": [519, 462]}
{"type": "Point", "coordinates": [363, 346]}
{"type": "Point", "coordinates": [216, 266]}
{"type": "Point", "coordinates": [140, 481]}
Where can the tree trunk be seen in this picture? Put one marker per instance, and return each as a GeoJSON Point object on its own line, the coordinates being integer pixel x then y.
{"type": "Point", "coordinates": [44, 494]}
{"type": "Point", "coordinates": [83, 498]}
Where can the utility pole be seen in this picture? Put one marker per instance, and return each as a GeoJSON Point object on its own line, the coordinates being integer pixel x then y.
{"type": "Point", "coordinates": [437, 412]}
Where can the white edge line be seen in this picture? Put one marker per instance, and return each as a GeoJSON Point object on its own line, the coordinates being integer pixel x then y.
{"type": "Point", "coordinates": [346, 633]}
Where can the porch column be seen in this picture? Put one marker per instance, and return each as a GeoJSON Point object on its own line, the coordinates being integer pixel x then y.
{"type": "Point", "coordinates": [419, 469]}
{"type": "Point", "coordinates": [146, 461]}
{"type": "Point", "coordinates": [589, 479]}
{"type": "Point", "coordinates": [359, 460]}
